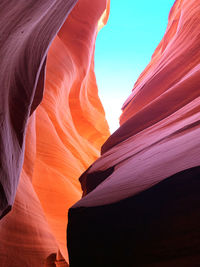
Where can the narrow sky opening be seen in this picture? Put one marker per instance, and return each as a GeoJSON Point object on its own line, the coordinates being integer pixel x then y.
{"type": "Point", "coordinates": [124, 48]}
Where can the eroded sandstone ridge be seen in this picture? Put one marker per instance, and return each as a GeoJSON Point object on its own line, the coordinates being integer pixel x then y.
{"type": "Point", "coordinates": [141, 203]}
{"type": "Point", "coordinates": [63, 135]}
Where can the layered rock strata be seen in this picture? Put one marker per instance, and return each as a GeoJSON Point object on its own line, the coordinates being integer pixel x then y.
{"type": "Point", "coordinates": [63, 134]}
{"type": "Point", "coordinates": [141, 199]}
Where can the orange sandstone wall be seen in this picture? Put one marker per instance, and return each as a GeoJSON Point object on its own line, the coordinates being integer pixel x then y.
{"type": "Point", "coordinates": [70, 122]}
{"type": "Point", "coordinates": [63, 137]}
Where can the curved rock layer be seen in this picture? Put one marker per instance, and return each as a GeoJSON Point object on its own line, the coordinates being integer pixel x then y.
{"type": "Point", "coordinates": [63, 135]}
{"type": "Point", "coordinates": [141, 201]}
{"type": "Point", "coordinates": [26, 32]}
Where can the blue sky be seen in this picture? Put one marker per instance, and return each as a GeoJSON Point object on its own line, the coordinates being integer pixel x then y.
{"type": "Point", "coordinates": [124, 47]}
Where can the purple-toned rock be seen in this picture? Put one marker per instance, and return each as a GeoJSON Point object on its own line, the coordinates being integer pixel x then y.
{"type": "Point", "coordinates": [26, 30]}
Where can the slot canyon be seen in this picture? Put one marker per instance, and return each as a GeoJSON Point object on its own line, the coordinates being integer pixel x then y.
{"type": "Point", "coordinates": [71, 193]}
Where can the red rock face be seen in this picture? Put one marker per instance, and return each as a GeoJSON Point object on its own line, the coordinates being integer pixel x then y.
{"type": "Point", "coordinates": [70, 122]}
{"type": "Point", "coordinates": [141, 203]}
{"type": "Point", "coordinates": [141, 197]}
{"type": "Point", "coordinates": [63, 135]}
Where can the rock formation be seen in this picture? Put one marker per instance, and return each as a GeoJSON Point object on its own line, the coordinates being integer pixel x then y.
{"type": "Point", "coordinates": [141, 201]}
{"type": "Point", "coordinates": [63, 135]}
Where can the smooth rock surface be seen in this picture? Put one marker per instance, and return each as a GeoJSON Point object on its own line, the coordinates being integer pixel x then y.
{"type": "Point", "coordinates": [63, 135]}
{"type": "Point", "coordinates": [159, 137]}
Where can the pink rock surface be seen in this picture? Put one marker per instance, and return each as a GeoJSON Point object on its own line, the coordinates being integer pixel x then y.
{"type": "Point", "coordinates": [141, 201]}
{"type": "Point", "coordinates": [141, 197]}
{"type": "Point", "coordinates": [159, 132]}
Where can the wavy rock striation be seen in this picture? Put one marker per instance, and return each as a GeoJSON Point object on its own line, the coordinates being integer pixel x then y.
{"type": "Point", "coordinates": [141, 201]}
{"type": "Point", "coordinates": [23, 53]}
{"type": "Point", "coordinates": [63, 135]}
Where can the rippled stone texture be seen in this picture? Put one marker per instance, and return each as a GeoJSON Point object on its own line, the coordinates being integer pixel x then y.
{"type": "Point", "coordinates": [26, 32]}
{"type": "Point", "coordinates": [141, 205]}
{"type": "Point", "coordinates": [63, 135]}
